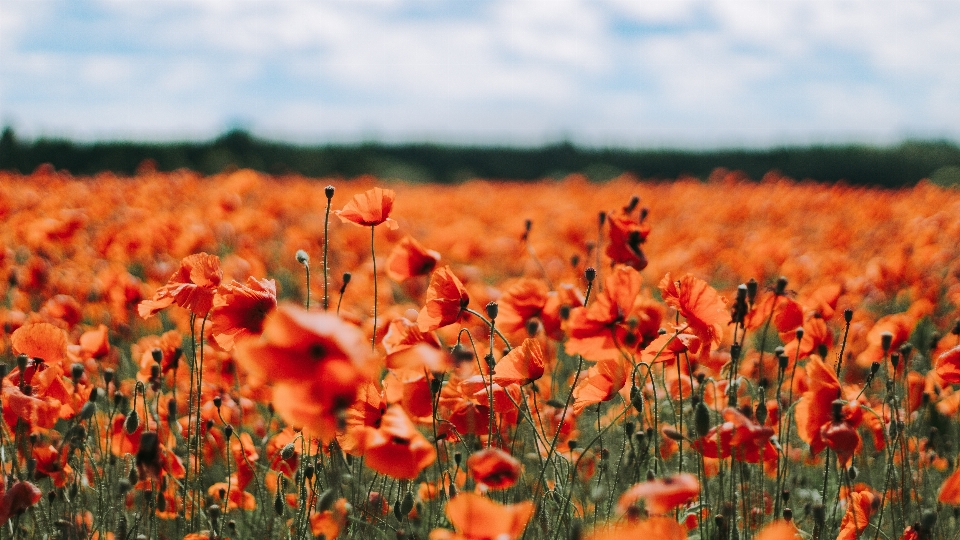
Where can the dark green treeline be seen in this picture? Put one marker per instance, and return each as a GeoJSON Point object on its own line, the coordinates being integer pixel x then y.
{"type": "Point", "coordinates": [893, 166]}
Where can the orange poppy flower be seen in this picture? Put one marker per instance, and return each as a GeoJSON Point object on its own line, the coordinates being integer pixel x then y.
{"type": "Point", "coordinates": [17, 499]}
{"type": "Point", "coordinates": [669, 346]}
{"type": "Point", "coordinates": [314, 361]}
{"type": "Point", "coordinates": [94, 343]}
{"type": "Point", "coordinates": [737, 436]}
{"type": "Point", "coordinates": [41, 402]}
{"type": "Point", "coordinates": [40, 340]}
{"type": "Point", "coordinates": [494, 468]}
{"type": "Point", "coordinates": [816, 405]}
{"type": "Point", "coordinates": [240, 309]}
{"type": "Point", "coordinates": [245, 457]}
{"type": "Point", "coordinates": [522, 365]}
{"type": "Point", "coordinates": [658, 527]}
{"type": "Point", "coordinates": [237, 499]}
{"type": "Point", "coordinates": [662, 494]}
{"type": "Point", "coordinates": [815, 335]}
{"type": "Point", "coordinates": [530, 299]}
{"type": "Point", "coordinates": [620, 317]}
{"type": "Point", "coordinates": [842, 438]}
{"type": "Point", "coordinates": [396, 448]}
{"type": "Point", "coordinates": [329, 523]}
{"type": "Point", "coordinates": [860, 506]}
{"type": "Point", "coordinates": [601, 383]}
{"type": "Point", "coordinates": [787, 314]}
{"type": "Point", "coordinates": [445, 301]}
{"type": "Point", "coordinates": [475, 517]}
{"type": "Point", "coordinates": [626, 235]}
{"type": "Point", "coordinates": [779, 530]}
{"type": "Point", "coordinates": [411, 389]}
{"type": "Point", "coordinates": [192, 287]}
{"type": "Point", "coordinates": [369, 208]}
{"type": "Point", "coordinates": [948, 366]}
{"type": "Point", "coordinates": [698, 303]}
{"type": "Point", "coordinates": [950, 490]}
{"type": "Point", "coordinates": [410, 259]}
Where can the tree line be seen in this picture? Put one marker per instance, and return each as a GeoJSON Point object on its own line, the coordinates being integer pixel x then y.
{"type": "Point", "coordinates": [887, 166]}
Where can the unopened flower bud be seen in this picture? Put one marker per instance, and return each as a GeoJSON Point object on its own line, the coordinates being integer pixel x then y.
{"type": "Point", "coordinates": [492, 310]}
{"type": "Point", "coordinates": [590, 274]}
{"type": "Point", "coordinates": [328, 191]}
{"type": "Point", "coordinates": [781, 286]}
{"type": "Point", "coordinates": [886, 340]}
{"type": "Point", "coordinates": [132, 422]}
{"type": "Point", "coordinates": [302, 257]}
{"type": "Point", "coordinates": [848, 315]}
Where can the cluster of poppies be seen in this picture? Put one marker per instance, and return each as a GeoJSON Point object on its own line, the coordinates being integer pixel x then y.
{"type": "Point", "coordinates": [247, 356]}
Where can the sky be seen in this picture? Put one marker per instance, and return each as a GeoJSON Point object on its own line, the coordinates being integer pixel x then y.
{"type": "Point", "coordinates": [664, 73]}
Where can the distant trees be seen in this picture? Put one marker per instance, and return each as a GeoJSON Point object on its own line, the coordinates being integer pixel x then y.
{"type": "Point", "coordinates": [892, 166]}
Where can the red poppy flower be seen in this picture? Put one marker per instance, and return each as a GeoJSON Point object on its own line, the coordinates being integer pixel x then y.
{"type": "Point", "coordinates": [627, 234]}
{"type": "Point", "coordinates": [369, 208]}
{"type": "Point", "coordinates": [40, 340]}
{"type": "Point", "coordinates": [237, 499]}
{"type": "Point", "coordinates": [669, 346]}
{"type": "Point", "coordinates": [396, 448]}
{"type": "Point", "coordinates": [705, 310]}
{"type": "Point", "coordinates": [621, 318]}
{"type": "Point", "coordinates": [662, 494]}
{"type": "Point", "coordinates": [737, 436]}
{"type": "Point", "coordinates": [17, 499]}
{"type": "Point", "coordinates": [445, 301]}
{"type": "Point", "coordinates": [240, 309]}
{"type": "Point", "coordinates": [950, 490]}
{"type": "Point", "coordinates": [40, 403]}
{"type": "Point", "coordinates": [329, 523]}
{"type": "Point", "coordinates": [476, 517]}
{"type": "Point", "coordinates": [529, 299]}
{"type": "Point", "coordinates": [522, 365]}
{"type": "Point", "coordinates": [842, 438]}
{"type": "Point", "coordinates": [779, 530]}
{"type": "Point", "coordinates": [192, 287]}
{"type": "Point", "coordinates": [601, 383]}
{"type": "Point", "coordinates": [494, 468]}
{"type": "Point", "coordinates": [658, 527]}
{"type": "Point", "coordinates": [948, 366]}
{"type": "Point", "coordinates": [410, 259]}
{"type": "Point", "coordinates": [860, 506]}
{"type": "Point", "coordinates": [786, 316]}
{"type": "Point", "coordinates": [815, 407]}
{"type": "Point", "coordinates": [313, 360]}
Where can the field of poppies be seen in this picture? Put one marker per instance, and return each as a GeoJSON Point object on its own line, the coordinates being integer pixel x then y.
{"type": "Point", "coordinates": [250, 356]}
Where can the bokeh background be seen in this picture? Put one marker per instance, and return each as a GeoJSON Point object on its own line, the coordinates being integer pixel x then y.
{"type": "Point", "coordinates": [628, 74]}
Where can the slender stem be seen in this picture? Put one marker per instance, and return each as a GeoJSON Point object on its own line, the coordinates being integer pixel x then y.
{"type": "Point", "coordinates": [373, 255]}
{"type": "Point", "coordinates": [326, 245]}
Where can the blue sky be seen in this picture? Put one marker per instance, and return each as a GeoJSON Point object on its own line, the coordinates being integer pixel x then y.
{"type": "Point", "coordinates": [598, 72]}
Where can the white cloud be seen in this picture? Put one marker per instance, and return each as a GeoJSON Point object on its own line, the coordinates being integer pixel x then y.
{"type": "Point", "coordinates": [601, 71]}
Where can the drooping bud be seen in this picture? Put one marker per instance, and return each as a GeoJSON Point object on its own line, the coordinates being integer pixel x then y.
{"type": "Point", "coordinates": [701, 419]}
{"type": "Point", "coordinates": [303, 258]}
{"type": "Point", "coordinates": [132, 422]}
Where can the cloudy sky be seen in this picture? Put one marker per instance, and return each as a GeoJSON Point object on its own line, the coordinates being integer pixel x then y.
{"type": "Point", "coordinates": [600, 72]}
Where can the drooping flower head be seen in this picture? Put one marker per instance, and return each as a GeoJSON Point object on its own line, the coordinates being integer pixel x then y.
{"type": "Point", "coordinates": [370, 208]}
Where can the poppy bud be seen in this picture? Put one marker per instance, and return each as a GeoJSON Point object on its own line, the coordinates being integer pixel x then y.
{"type": "Point", "coordinates": [874, 368]}
{"type": "Point", "coordinates": [217, 401]}
{"type": "Point", "coordinates": [161, 502]}
{"type": "Point", "coordinates": [886, 340]}
{"type": "Point", "coordinates": [214, 512]}
{"type": "Point", "coordinates": [927, 521]}
{"type": "Point", "coordinates": [107, 377]}
{"type": "Point", "coordinates": [154, 372]}
{"type": "Point", "coordinates": [852, 473]}
{"type": "Point", "coordinates": [781, 286]}
{"type": "Point", "coordinates": [761, 412]}
{"type": "Point", "coordinates": [788, 514]}
{"type": "Point", "coordinates": [752, 287]}
{"type": "Point", "coordinates": [628, 428]}
{"type": "Point", "coordinates": [346, 279]}
{"type": "Point", "coordinates": [287, 451]}
{"type": "Point", "coordinates": [644, 212]}
{"type": "Point", "coordinates": [172, 410]}
{"type": "Point", "coordinates": [278, 503]}
{"type": "Point", "coordinates": [799, 332]}
{"type": "Point", "coordinates": [636, 399]}
{"type": "Point", "coordinates": [133, 477]}
{"type": "Point", "coordinates": [572, 443]}
{"type": "Point", "coordinates": [701, 419]}
{"type": "Point", "coordinates": [837, 410]}
{"type": "Point", "coordinates": [22, 362]}
{"type": "Point", "coordinates": [650, 475]}
{"type": "Point", "coordinates": [175, 358]}
{"type": "Point", "coordinates": [895, 360]}
{"type": "Point", "coordinates": [735, 350]}
{"type": "Point", "coordinates": [303, 258]}
{"type": "Point", "coordinates": [76, 372]}
{"type": "Point", "coordinates": [822, 350]}
{"type": "Point", "coordinates": [564, 312]}
{"type": "Point", "coordinates": [671, 433]}
{"type": "Point", "coordinates": [328, 191]}
{"type": "Point", "coordinates": [132, 422]}
{"type": "Point", "coordinates": [491, 361]}
{"type": "Point", "coordinates": [492, 310]}
{"type": "Point", "coordinates": [86, 412]}
{"type": "Point", "coordinates": [228, 431]}
{"type": "Point", "coordinates": [785, 495]}
{"type": "Point", "coordinates": [848, 315]}
{"type": "Point", "coordinates": [407, 504]}
{"type": "Point", "coordinates": [325, 500]}
{"type": "Point", "coordinates": [590, 274]}
{"type": "Point", "coordinates": [634, 201]}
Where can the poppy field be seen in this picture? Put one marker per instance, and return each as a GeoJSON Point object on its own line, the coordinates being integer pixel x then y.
{"type": "Point", "coordinates": [253, 356]}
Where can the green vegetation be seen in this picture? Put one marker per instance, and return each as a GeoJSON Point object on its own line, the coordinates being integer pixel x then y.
{"type": "Point", "coordinates": [894, 166]}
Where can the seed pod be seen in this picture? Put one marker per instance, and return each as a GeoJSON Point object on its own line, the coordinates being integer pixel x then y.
{"type": "Point", "coordinates": [493, 309]}
{"type": "Point", "coordinates": [590, 274]}
{"type": "Point", "coordinates": [847, 315]}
